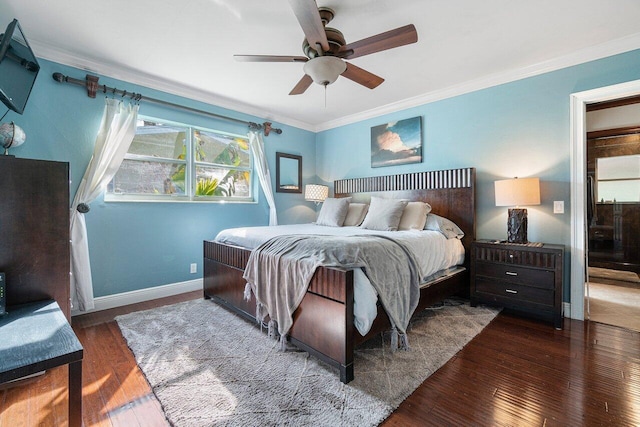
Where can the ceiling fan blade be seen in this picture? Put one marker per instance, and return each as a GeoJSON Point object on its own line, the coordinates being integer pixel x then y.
{"type": "Point", "coordinates": [383, 41]}
{"type": "Point", "coordinates": [302, 85]}
{"type": "Point", "coordinates": [361, 76]}
{"type": "Point", "coordinates": [309, 18]}
{"type": "Point", "coordinates": [270, 58]}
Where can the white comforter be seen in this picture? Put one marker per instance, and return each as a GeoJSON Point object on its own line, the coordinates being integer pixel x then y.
{"type": "Point", "coordinates": [433, 251]}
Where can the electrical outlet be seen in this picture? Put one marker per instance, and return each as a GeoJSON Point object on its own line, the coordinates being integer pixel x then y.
{"type": "Point", "coordinates": [558, 207]}
{"type": "Point", "coordinates": [194, 268]}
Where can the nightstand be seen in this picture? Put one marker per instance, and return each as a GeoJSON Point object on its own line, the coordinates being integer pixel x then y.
{"type": "Point", "coordinates": [523, 278]}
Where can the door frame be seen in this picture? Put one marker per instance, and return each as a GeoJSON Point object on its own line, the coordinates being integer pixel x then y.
{"type": "Point", "coordinates": [578, 103]}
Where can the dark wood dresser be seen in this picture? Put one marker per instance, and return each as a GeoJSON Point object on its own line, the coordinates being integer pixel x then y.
{"type": "Point", "coordinates": [522, 278]}
{"type": "Point", "coordinates": [34, 231]}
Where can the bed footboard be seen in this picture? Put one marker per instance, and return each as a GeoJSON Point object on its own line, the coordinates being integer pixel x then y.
{"type": "Point", "coordinates": [322, 324]}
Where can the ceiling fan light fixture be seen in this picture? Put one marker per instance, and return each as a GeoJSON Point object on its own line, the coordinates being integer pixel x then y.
{"type": "Point", "coordinates": [324, 70]}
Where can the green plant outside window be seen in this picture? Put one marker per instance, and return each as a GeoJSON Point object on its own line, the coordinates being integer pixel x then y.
{"type": "Point", "coordinates": [172, 162]}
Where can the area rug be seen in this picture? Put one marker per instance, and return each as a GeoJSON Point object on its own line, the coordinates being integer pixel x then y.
{"type": "Point", "coordinates": [208, 366]}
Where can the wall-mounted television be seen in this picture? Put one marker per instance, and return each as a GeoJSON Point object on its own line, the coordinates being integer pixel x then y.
{"type": "Point", "coordinates": [18, 68]}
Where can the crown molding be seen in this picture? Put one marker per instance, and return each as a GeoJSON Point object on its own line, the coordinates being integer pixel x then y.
{"type": "Point", "coordinates": [133, 76]}
{"type": "Point", "coordinates": [130, 75]}
{"type": "Point", "coordinates": [592, 53]}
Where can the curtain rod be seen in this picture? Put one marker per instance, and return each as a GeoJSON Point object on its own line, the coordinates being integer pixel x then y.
{"type": "Point", "coordinates": [91, 83]}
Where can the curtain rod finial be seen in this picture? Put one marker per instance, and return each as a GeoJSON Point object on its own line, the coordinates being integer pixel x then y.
{"type": "Point", "coordinates": [59, 77]}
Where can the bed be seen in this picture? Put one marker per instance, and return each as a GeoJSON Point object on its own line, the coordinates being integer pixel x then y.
{"type": "Point", "coordinates": [323, 324]}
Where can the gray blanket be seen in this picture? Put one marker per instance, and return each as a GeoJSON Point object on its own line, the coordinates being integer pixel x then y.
{"type": "Point", "coordinates": [279, 272]}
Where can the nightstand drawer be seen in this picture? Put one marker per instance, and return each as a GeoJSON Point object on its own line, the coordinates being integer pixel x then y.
{"type": "Point", "coordinates": [515, 274]}
{"type": "Point", "coordinates": [526, 279]}
{"type": "Point", "coordinates": [510, 254]}
{"type": "Point", "coordinates": [514, 291]}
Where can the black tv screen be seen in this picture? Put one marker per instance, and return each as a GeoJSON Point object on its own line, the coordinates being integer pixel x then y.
{"type": "Point", "coordinates": [18, 68]}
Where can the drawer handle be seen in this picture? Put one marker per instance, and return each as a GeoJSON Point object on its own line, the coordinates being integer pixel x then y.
{"type": "Point", "coordinates": [511, 291]}
{"type": "Point", "coordinates": [510, 273]}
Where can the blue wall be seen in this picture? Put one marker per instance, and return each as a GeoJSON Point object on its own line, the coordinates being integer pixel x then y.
{"type": "Point", "coordinates": [139, 245]}
{"type": "Point", "coordinates": [516, 129]}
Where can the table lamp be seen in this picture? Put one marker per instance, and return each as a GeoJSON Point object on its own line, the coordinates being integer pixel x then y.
{"type": "Point", "coordinates": [316, 193]}
{"type": "Point", "coordinates": [517, 192]}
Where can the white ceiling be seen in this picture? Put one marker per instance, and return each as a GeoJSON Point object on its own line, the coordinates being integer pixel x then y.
{"type": "Point", "coordinates": [186, 47]}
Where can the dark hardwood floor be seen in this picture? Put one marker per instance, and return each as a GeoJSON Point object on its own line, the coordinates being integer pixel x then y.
{"type": "Point", "coordinates": [517, 372]}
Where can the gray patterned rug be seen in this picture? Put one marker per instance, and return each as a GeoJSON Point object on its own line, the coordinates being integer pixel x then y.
{"type": "Point", "coordinates": [208, 367]}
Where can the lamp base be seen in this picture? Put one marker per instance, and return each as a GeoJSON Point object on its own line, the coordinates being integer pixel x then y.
{"type": "Point", "coordinates": [517, 226]}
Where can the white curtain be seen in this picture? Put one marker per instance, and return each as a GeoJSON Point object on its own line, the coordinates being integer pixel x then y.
{"type": "Point", "coordinates": [262, 167]}
{"type": "Point", "coordinates": [116, 132]}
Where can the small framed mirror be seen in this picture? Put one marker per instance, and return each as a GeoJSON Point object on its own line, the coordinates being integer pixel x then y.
{"type": "Point", "coordinates": [288, 173]}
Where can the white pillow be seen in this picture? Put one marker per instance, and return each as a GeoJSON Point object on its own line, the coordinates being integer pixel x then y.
{"type": "Point", "coordinates": [414, 216]}
{"type": "Point", "coordinates": [356, 214]}
{"type": "Point", "coordinates": [333, 212]}
{"type": "Point", "coordinates": [384, 214]}
{"type": "Point", "coordinates": [443, 225]}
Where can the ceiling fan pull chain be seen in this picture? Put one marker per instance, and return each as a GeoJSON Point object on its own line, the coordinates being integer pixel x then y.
{"type": "Point", "coordinates": [325, 96]}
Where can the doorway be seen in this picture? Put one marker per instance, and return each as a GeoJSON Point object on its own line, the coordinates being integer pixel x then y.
{"type": "Point", "coordinates": [613, 213]}
{"type": "Point", "coordinates": [579, 237]}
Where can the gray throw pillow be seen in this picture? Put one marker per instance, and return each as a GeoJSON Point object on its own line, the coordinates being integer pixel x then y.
{"type": "Point", "coordinates": [384, 214]}
{"type": "Point", "coordinates": [443, 225]}
{"type": "Point", "coordinates": [333, 212]}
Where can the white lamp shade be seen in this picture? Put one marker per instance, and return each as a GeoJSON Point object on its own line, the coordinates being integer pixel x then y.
{"type": "Point", "coordinates": [517, 192]}
{"type": "Point", "coordinates": [324, 70]}
{"type": "Point", "coordinates": [316, 192]}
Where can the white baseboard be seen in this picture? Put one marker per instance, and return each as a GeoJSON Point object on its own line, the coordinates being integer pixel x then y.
{"type": "Point", "coordinates": [141, 295]}
{"type": "Point", "coordinates": [566, 309]}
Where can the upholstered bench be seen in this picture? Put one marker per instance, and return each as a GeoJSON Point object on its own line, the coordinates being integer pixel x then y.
{"type": "Point", "coordinates": [35, 337]}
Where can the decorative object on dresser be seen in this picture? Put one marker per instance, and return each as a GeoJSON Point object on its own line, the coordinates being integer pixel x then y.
{"type": "Point", "coordinates": [34, 247]}
{"type": "Point", "coordinates": [517, 192]}
{"type": "Point", "coordinates": [324, 321]}
{"type": "Point", "coordinates": [523, 278]}
{"type": "Point", "coordinates": [316, 193]}
{"type": "Point", "coordinates": [11, 136]}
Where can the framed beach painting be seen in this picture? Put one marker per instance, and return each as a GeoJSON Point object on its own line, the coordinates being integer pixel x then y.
{"type": "Point", "coordinates": [397, 143]}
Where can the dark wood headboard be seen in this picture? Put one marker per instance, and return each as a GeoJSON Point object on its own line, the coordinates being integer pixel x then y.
{"type": "Point", "coordinates": [451, 193]}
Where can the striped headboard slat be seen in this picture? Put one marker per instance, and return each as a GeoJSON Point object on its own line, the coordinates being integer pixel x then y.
{"type": "Point", "coordinates": [429, 180]}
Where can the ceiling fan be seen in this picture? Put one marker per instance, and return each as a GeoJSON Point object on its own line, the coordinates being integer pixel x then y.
{"type": "Point", "coordinates": [325, 49]}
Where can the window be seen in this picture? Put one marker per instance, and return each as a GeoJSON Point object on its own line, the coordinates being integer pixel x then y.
{"type": "Point", "coordinates": [619, 178]}
{"type": "Point", "coordinates": [174, 162]}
